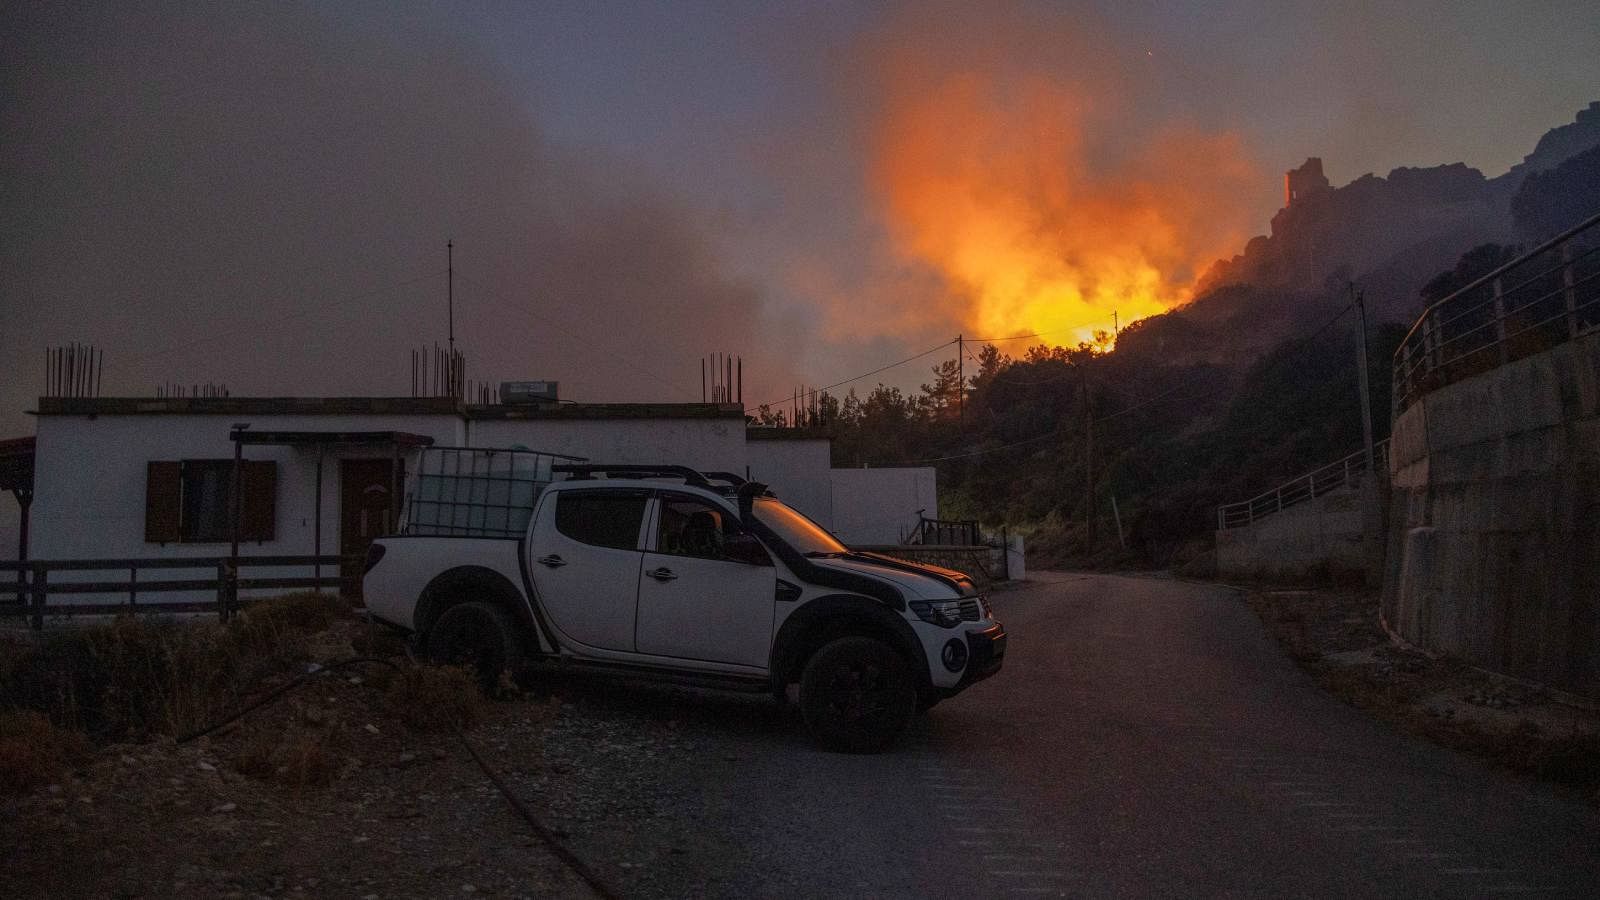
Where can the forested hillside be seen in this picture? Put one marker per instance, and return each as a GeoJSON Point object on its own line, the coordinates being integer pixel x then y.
{"type": "Point", "coordinates": [1253, 383]}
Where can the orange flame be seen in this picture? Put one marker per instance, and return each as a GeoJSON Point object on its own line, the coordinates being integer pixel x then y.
{"type": "Point", "coordinates": [989, 181]}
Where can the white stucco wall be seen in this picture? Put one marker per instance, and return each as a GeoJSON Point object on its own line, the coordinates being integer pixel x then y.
{"type": "Point", "coordinates": [89, 477]}
{"type": "Point", "coordinates": [90, 472]}
{"type": "Point", "coordinates": [798, 471]}
{"type": "Point", "coordinates": [706, 444]}
{"type": "Point", "coordinates": [879, 506]}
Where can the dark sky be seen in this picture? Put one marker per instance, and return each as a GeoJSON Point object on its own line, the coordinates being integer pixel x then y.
{"type": "Point", "coordinates": [260, 194]}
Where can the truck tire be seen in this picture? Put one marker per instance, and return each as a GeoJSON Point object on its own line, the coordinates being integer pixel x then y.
{"type": "Point", "coordinates": [481, 636]}
{"type": "Point", "coordinates": [857, 695]}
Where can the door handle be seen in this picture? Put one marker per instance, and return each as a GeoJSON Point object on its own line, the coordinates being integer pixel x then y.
{"type": "Point", "coordinates": [661, 574]}
{"type": "Point", "coordinates": [553, 561]}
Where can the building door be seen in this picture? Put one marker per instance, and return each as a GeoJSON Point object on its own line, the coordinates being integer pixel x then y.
{"type": "Point", "coordinates": [367, 510]}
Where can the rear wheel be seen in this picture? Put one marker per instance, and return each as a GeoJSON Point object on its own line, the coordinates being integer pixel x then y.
{"type": "Point", "coordinates": [857, 695]}
{"type": "Point", "coordinates": [479, 636]}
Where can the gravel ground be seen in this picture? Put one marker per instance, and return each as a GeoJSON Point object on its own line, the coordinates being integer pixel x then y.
{"type": "Point", "coordinates": [1070, 768]}
{"type": "Point", "coordinates": [407, 814]}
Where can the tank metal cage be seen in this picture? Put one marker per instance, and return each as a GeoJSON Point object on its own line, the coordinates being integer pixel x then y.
{"type": "Point", "coordinates": [477, 491]}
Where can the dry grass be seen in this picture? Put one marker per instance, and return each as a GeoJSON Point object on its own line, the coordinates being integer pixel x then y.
{"type": "Point", "coordinates": [436, 698]}
{"type": "Point", "coordinates": [299, 757]}
{"type": "Point", "coordinates": [132, 678]}
{"type": "Point", "coordinates": [33, 751]}
{"type": "Point", "coordinates": [1056, 543]}
{"type": "Point", "coordinates": [1417, 693]}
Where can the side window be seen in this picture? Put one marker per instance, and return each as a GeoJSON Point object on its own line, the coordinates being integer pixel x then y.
{"type": "Point", "coordinates": [602, 518]}
{"type": "Point", "coordinates": [690, 526]}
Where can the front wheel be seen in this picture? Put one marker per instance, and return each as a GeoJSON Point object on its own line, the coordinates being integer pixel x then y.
{"type": "Point", "coordinates": [479, 636]}
{"type": "Point", "coordinates": [857, 695]}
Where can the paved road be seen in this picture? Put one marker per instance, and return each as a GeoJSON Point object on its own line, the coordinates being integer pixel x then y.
{"type": "Point", "coordinates": [1146, 738]}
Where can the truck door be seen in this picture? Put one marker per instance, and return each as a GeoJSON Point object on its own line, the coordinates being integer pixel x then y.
{"type": "Point", "coordinates": [706, 587]}
{"type": "Point", "coordinates": [584, 559]}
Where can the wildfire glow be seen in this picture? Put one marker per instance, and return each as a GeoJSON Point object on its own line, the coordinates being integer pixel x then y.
{"type": "Point", "coordinates": [990, 182]}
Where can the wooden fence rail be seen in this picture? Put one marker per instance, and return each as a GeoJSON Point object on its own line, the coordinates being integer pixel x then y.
{"type": "Point", "coordinates": [29, 587]}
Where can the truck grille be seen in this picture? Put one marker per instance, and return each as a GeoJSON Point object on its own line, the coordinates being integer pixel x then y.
{"type": "Point", "coordinates": [970, 611]}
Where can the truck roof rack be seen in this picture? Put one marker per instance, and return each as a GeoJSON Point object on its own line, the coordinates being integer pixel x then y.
{"type": "Point", "coordinates": [591, 470]}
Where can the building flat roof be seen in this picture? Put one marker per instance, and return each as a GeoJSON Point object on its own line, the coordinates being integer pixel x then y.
{"type": "Point", "coordinates": [608, 411]}
{"type": "Point", "coordinates": [311, 406]}
{"type": "Point", "coordinates": [770, 433]}
{"type": "Point", "coordinates": [325, 438]}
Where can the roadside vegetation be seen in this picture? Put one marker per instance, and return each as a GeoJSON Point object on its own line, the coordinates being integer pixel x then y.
{"type": "Point", "coordinates": [1336, 637]}
{"type": "Point", "coordinates": [136, 680]}
{"type": "Point", "coordinates": [314, 792]}
{"type": "Point", "coordinates": [1213, 402]}
{"type": "Point", "coordinates": [1180, 425]}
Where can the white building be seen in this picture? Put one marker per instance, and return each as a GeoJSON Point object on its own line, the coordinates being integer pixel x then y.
{"type": "Point", "coordinates": [144, 478]}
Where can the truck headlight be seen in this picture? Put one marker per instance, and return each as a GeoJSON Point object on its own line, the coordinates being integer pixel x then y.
{"type": "Point", "coordinates": [943, 613]}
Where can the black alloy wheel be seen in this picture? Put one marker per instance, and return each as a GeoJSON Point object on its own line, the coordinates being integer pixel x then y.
{"type": "Point", "coordinates": [479, 636]}
{"type": "Point", "coordinates": [857, 695]}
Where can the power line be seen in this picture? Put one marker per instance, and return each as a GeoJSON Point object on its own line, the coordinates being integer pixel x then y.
{"type": "Point", "coordinates": [865, 374]}
{"type": "Point", "coordinates": [1164, 396]}
{"type": "Point", "coordinates": [1023, 337]}
{"type": "Point", "coordinates": [1020, 443]}
{"type": "Point", "coordinates": [990, 340]}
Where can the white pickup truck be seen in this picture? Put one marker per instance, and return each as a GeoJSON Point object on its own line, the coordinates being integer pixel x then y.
{"type": "Point", "coordinates": [665, 572]}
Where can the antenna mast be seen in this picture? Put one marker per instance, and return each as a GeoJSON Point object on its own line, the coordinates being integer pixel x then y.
{"type": "Point", "coordinates": [450, 290]}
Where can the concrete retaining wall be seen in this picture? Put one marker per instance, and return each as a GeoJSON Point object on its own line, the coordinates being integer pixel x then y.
{"type": "Point", "coordinates": [1340, 531]}
{"type": "Point", "coordinates": [1494, 537]}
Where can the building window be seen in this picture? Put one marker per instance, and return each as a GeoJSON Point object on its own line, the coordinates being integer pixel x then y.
{"type": "Point", "coordinates": [603, 518]}
{"type": "Point", "coordinates": [190, 501]}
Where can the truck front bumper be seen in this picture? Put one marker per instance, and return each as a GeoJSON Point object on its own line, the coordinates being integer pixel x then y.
{"type": "Point", "coordinates": [986, 652]}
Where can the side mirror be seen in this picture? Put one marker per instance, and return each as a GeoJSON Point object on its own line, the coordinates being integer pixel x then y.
{"type": "Point", "coordinates": [745, 548]}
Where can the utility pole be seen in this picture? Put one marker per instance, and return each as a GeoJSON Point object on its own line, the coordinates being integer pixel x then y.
{"type": "Point", "coordinates": [1361, 374]}
{"type": "Point", "coordinates": [961, 379]}
{"type": "Point", "coordinates": [1088, 453]}
{"type": "Point", "coordinates": [450, 294]}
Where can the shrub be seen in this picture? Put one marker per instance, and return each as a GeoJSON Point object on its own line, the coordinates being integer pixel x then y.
{"type": "Point", "coordinates": [269, 626]}
{"type": "Point", "coordinates": [35, 752]}
{"type": "Point", "coordinates": [299, 757]}
{"type": "Point", "coordinates": [133, 677]}
{"type": "Point", "coordinates": [436, 698]}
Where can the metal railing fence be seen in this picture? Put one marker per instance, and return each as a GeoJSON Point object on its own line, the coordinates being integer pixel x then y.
{"type": "Point", "coordinates": [949, 532]}
{"type": "Point", "coordinates": [1309, 486]}
{"type": "Point", "coordinates": [1538, 300]}
{"type": "Point", "coordinates": [26, 587]}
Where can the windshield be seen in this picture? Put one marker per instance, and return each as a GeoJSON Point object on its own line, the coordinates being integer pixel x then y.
{"type": "Point", "coordinates": [796, 530]}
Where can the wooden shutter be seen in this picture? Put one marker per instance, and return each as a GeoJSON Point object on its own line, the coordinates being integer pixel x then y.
{"type": "Point", "coordinates": [258, 519]}
{"type": "Point", "coordinates": [163, 501]}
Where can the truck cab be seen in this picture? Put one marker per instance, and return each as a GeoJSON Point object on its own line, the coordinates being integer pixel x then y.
{"type": "Point", "coordinates": [670, 573]}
